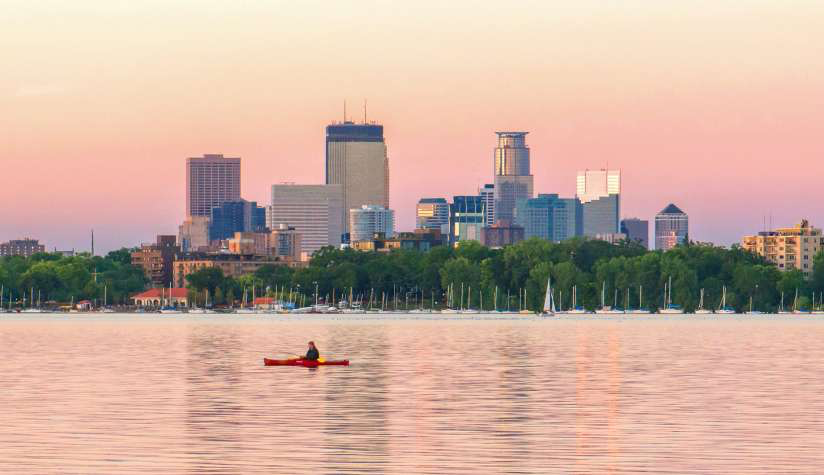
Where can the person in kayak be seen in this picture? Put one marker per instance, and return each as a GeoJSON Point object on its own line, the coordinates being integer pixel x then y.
{"type": "Point", "coordinates": [312, 354]}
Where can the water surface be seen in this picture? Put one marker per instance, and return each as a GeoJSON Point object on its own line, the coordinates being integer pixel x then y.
{"type": "Point", "coordinates": [189, 394]}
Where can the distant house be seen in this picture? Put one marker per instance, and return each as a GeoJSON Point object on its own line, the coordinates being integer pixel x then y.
{"type": "Point", "coordinates": [83, 306]}
{"type": "Point", "coordinates": [263, 303]}
{"type": "Point", "coordinates": [177, 297]}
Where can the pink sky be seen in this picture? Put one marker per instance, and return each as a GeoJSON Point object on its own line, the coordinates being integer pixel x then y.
{"type": "Point", "coordinates": [715, 106]}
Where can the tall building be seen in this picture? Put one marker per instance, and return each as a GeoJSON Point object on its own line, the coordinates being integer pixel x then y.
{"type": "Point", "coordinates": [500, 234]}
{"type": "Point", "coordinates": [432, 213]}
{"type": "Point", "coordinates": [636, 230]}
{"type": "Point", "coordinates": [157, 259]}
{"type": "Point", "coordinates": [513, 180]}
{"type": "Point", "coordinates": [600, 195]}
{"type": "Point", "coordinates": [315, 211]}
{"type": "Point", "coordinates": [285, 242]}
{"type": "Point", "coordinates": [236, 216]}
{"type": "Point", "coordinates": [193, 234]}
{"type": "Point", "coordinates": [211, 180]}
{"type": "Point", "coordinates": [550, 217]}
{"type": "Point", "coordinates": [788, 248]}
{"type": "Point", "coordinates": [671, 227]}
{"type": "Point", "coordinates": [21, 247]}
{"type": "Point", "coordinates": [356, 159]}
{"type": "Point", "coordinates": [368, 220]}
{"type": "Point", "coordinates": [487, 193]}
{"type": "Point", "coordinates": [466, 218]}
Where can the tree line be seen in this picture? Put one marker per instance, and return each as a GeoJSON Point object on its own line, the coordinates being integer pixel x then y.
{"type": "Point", "coordinates": [518, 274]}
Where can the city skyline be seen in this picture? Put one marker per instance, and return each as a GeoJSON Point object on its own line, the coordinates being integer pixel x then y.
{"type": "Point", "coordinates": [701, 107]}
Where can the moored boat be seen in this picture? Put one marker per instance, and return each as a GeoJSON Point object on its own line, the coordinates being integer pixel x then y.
{"type": "Point", "coordinates": [304, 363]}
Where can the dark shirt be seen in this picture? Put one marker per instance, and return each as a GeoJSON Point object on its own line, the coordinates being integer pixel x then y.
{"type": "Point", "coordinates": [312, 355]}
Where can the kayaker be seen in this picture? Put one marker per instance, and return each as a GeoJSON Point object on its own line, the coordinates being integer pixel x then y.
{"type": "Point", "coordinates": [312, 354]}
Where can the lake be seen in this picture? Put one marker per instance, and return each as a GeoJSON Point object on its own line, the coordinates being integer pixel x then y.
{"type": "Point", "coordinates": [472, 394]}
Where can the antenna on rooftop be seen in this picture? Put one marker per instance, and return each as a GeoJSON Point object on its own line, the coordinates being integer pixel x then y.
{"type": "Point", "coordinates": [344, 110]}
{"type": "Point", "coordinates": [364, 111]}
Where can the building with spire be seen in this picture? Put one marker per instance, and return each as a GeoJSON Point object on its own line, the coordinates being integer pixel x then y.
{"type": "Point", "coordinates": [513, 179]}
{"type": "Point", "coordinates": [671, 228]}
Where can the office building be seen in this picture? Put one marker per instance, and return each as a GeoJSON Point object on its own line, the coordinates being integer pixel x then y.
{"type": "Point", "coordinates": [432, 213]}
{"type": "Point", "coordinates": [550, 217]}
{"type": "Point", "coordinates": [157, 259]}
{"type": "Point", "coordinates": [487, 193]}
{"type": "Point", "coordinates": [193, 234]}
{"type": "Point", "coordinates": [600, 194]}
{"type": "Point", "coordinates": [513, 180]}
{"type": "Point", "coordinates": [250, 243]}
{"type": "Point", "coordinates": [466, 218]}
{"type": "Point", "coordinates": [421, 240]}
{"type": "Point", "coordinates": [788, 248]}
{"type": "Point", "coordinates": [236, 216]}
{"type": "Point", "coordinates": [500, 234]}
{"type": "Point", "coordinates": [285, 243]}
{"type": "Point", "coordinates": [636, 230]}
{"type": "Point", "coordinates": [315, 211]}
{"type": "Point", "coordinates": [366, 221]}
{"type": "Point", "coordinates": [211, 180]}
{"type": "Point", "coordinates": [21, 247]}
{"type": "Point", "coordinates": [356, 160]}
{"type": "Point", "coordinates": [612, 238]}
{"type": "Point", "coordinates": [671, 228]}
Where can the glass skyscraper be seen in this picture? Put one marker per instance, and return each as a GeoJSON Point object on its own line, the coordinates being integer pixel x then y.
{"type": "Point", "coordinates": [356, 159]}
{"type": "Point", "coordinates": [550, 217]}
{"type": "Point", "coordinates": [367, 220]}
{"type": "Point", "coordinates": [671, 227]}
{"type": "Point", "coordinates": [432, 213]}
{"type": "Point", "coordinates": [466, 218]}
{"type": "Point", "coordinates": [236, 216]}
{"type": "Point", "coordinates": [513, 180]}
{"type": "Point", "coordinates": [636, 230]}
{"type": "Point", "coordinates": [600, 195]}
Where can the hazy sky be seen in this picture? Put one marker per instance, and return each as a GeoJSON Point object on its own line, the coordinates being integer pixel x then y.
{"type": "Point", "coordinates": [717, 106]}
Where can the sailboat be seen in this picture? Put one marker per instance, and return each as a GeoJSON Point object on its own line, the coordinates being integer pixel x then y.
{"type": "Point", "coordinates": [781, 309]}
{"type": "Point", "coordinates": [723, 307]}
{"type": "Point", "coordinates": [820, 309]}
{"type": "Point", "coordinates": [669, 307]}
{"type": "Point", "coordinates": [106, 308]}
{"type": "Point", "coordinates": [169, 308]}
{"type": "Point", "coordinates": [2, 294]}
{"type": "Point", "coordinates": [575, 309]}
{"type": "Point", "coordinates": [606, 309]}
{"type": "Point", "coordinates": [641, 310]}
{"type": "Point", "coordinates": [751, 311]}
{"type": "Point", "coordinates": [549, 300]}
{"type": "Point", "coordinates": [32, 308]}
{"type": "Point", "coordinates": [469, 308]}
{"type": "Point", "coordinates": [701, 310]}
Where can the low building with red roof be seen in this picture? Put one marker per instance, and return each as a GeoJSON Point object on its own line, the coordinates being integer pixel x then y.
{"type": "Point", "coordinates": [176, 297]}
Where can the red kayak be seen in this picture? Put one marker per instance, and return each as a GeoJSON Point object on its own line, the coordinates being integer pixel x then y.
{"type": "Point", "coordinates": [304, 363]}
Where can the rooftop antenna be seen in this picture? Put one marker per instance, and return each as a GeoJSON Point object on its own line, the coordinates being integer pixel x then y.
{"type": "Point", "coordinates": [364, 111]}
{"type": "Point", "coordinates": [344, 110]}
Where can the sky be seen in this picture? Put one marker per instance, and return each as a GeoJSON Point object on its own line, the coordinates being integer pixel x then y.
{"type": "Point", "coordinates": [716, 106]}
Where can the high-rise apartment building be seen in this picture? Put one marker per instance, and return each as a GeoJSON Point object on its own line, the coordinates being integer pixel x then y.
{"type": "Point", "coordinates": [356, 159]}
{"type": "Point", "coordinates": [600, 195]}
{"type": "Point", "coordinates": [285, 242]}
{"type": "Point", "coordinates": [368, 220]}
{"type": "Point", "coordinates": [21, 247]}
{"type": "Point", "coordinates": [466, 218]}
{"type": "Point", "coordinates": [157, 259]}
{"type": "Point", "coordinates": [636, 230]}
{"type": "Point", "coordinates": [487, 193]}
{"type": "Point", "coordinates": [671, 227]}
{"type": "Point", "coordinates": [211, 180]}
{"type": "Point", "coordinates": [315, 211]}
{"type": "Point", "coordinates": [432, 213]}
{"type": "Point", "coordinates": [513, 180]}
{"type": "Point", "coordinates": [788, 248]}
{"type": "Point", "coordinates": [236, 217]}
{"type": "Point", "coordinates": [549, 217]}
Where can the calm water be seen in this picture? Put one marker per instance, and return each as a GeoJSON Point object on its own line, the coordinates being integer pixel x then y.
{"type": "Point", "coordinates": [177, 394]}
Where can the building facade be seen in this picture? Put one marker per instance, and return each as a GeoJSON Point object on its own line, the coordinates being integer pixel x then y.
{"type": "Point", "coordinates": [21, 247]}
{"type": "Point", "coordinates": [211, 180]}
{"type": "Point", "coordinates": [356, 159]}
{"type": "Point", "coordinates": [236, 216]}
{"type": "Point", "coordinates": [157, 259]}
{"type": "Point", "coordinates": [513, 179]}
{"type": "Point", "coordinates": [432, 213]}
{"type": "Point", "coordinates": [500, 234]}
{"type": "Point", "coordinates": [285, 242]}
{"type": "Point", "coordinates": [600, 194]}
{"type": "Point", "coordinates": [421, 240]}
{"type": "Point", "coordinates": [193, 234]}
{"type": "Point", "coordinates": [671, 227]}
{"type": "Point", "coordinates": [550, 217]}
{"type": "Point", "coordinates": [232, 265]}
{"type": "Point", "coordinates": [788, 248]}
{"type": "Point", "coordinates": [368, 220]}
{"type": "Point", "coordinates": [315, 211]}
{"type": "Point", "coordinates": [466, 218]}
{"type": "Point", "coordinates": [636, 230]}
{"type": "Point", "coordinates": [487, 193]}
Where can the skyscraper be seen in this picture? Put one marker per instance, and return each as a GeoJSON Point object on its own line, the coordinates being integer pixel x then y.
{"type": "Point", "coordinates": [513, 180]}
{"type": "Point", "coordinates": [367, 220]}
{"type": "Point", "coordinates": [356, 159]}
{"type": "Point", "coordinates": [636, 230]}
{"type": "Point", "coordinates": [671, 227]}
{"type": "Point", "coordinates": [315, 211]}
{"type": "Point", "coordinates": [236, 216]}
{"type": "Point", "coordinates": [432, 213]}
{"type": "Point", "coordinates": [466, 218]}
{"type": "Point", "coordinates": [211, 180]}
{"type": "Point", "coordinates": [600, 195]}
{"type": "Point", "coordinates": [487, 193]}
{"type": "Point", "coordinates": [550, 217]}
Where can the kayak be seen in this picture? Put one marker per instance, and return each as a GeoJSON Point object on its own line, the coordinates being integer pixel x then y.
{"type": "Point", "coordinates": [304, 363]}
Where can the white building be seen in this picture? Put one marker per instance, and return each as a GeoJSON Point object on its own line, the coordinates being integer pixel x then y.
{"type": "Point", "coordinates": [315, 211]}
{"type": "Point", "coordinates": [367, 220]}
